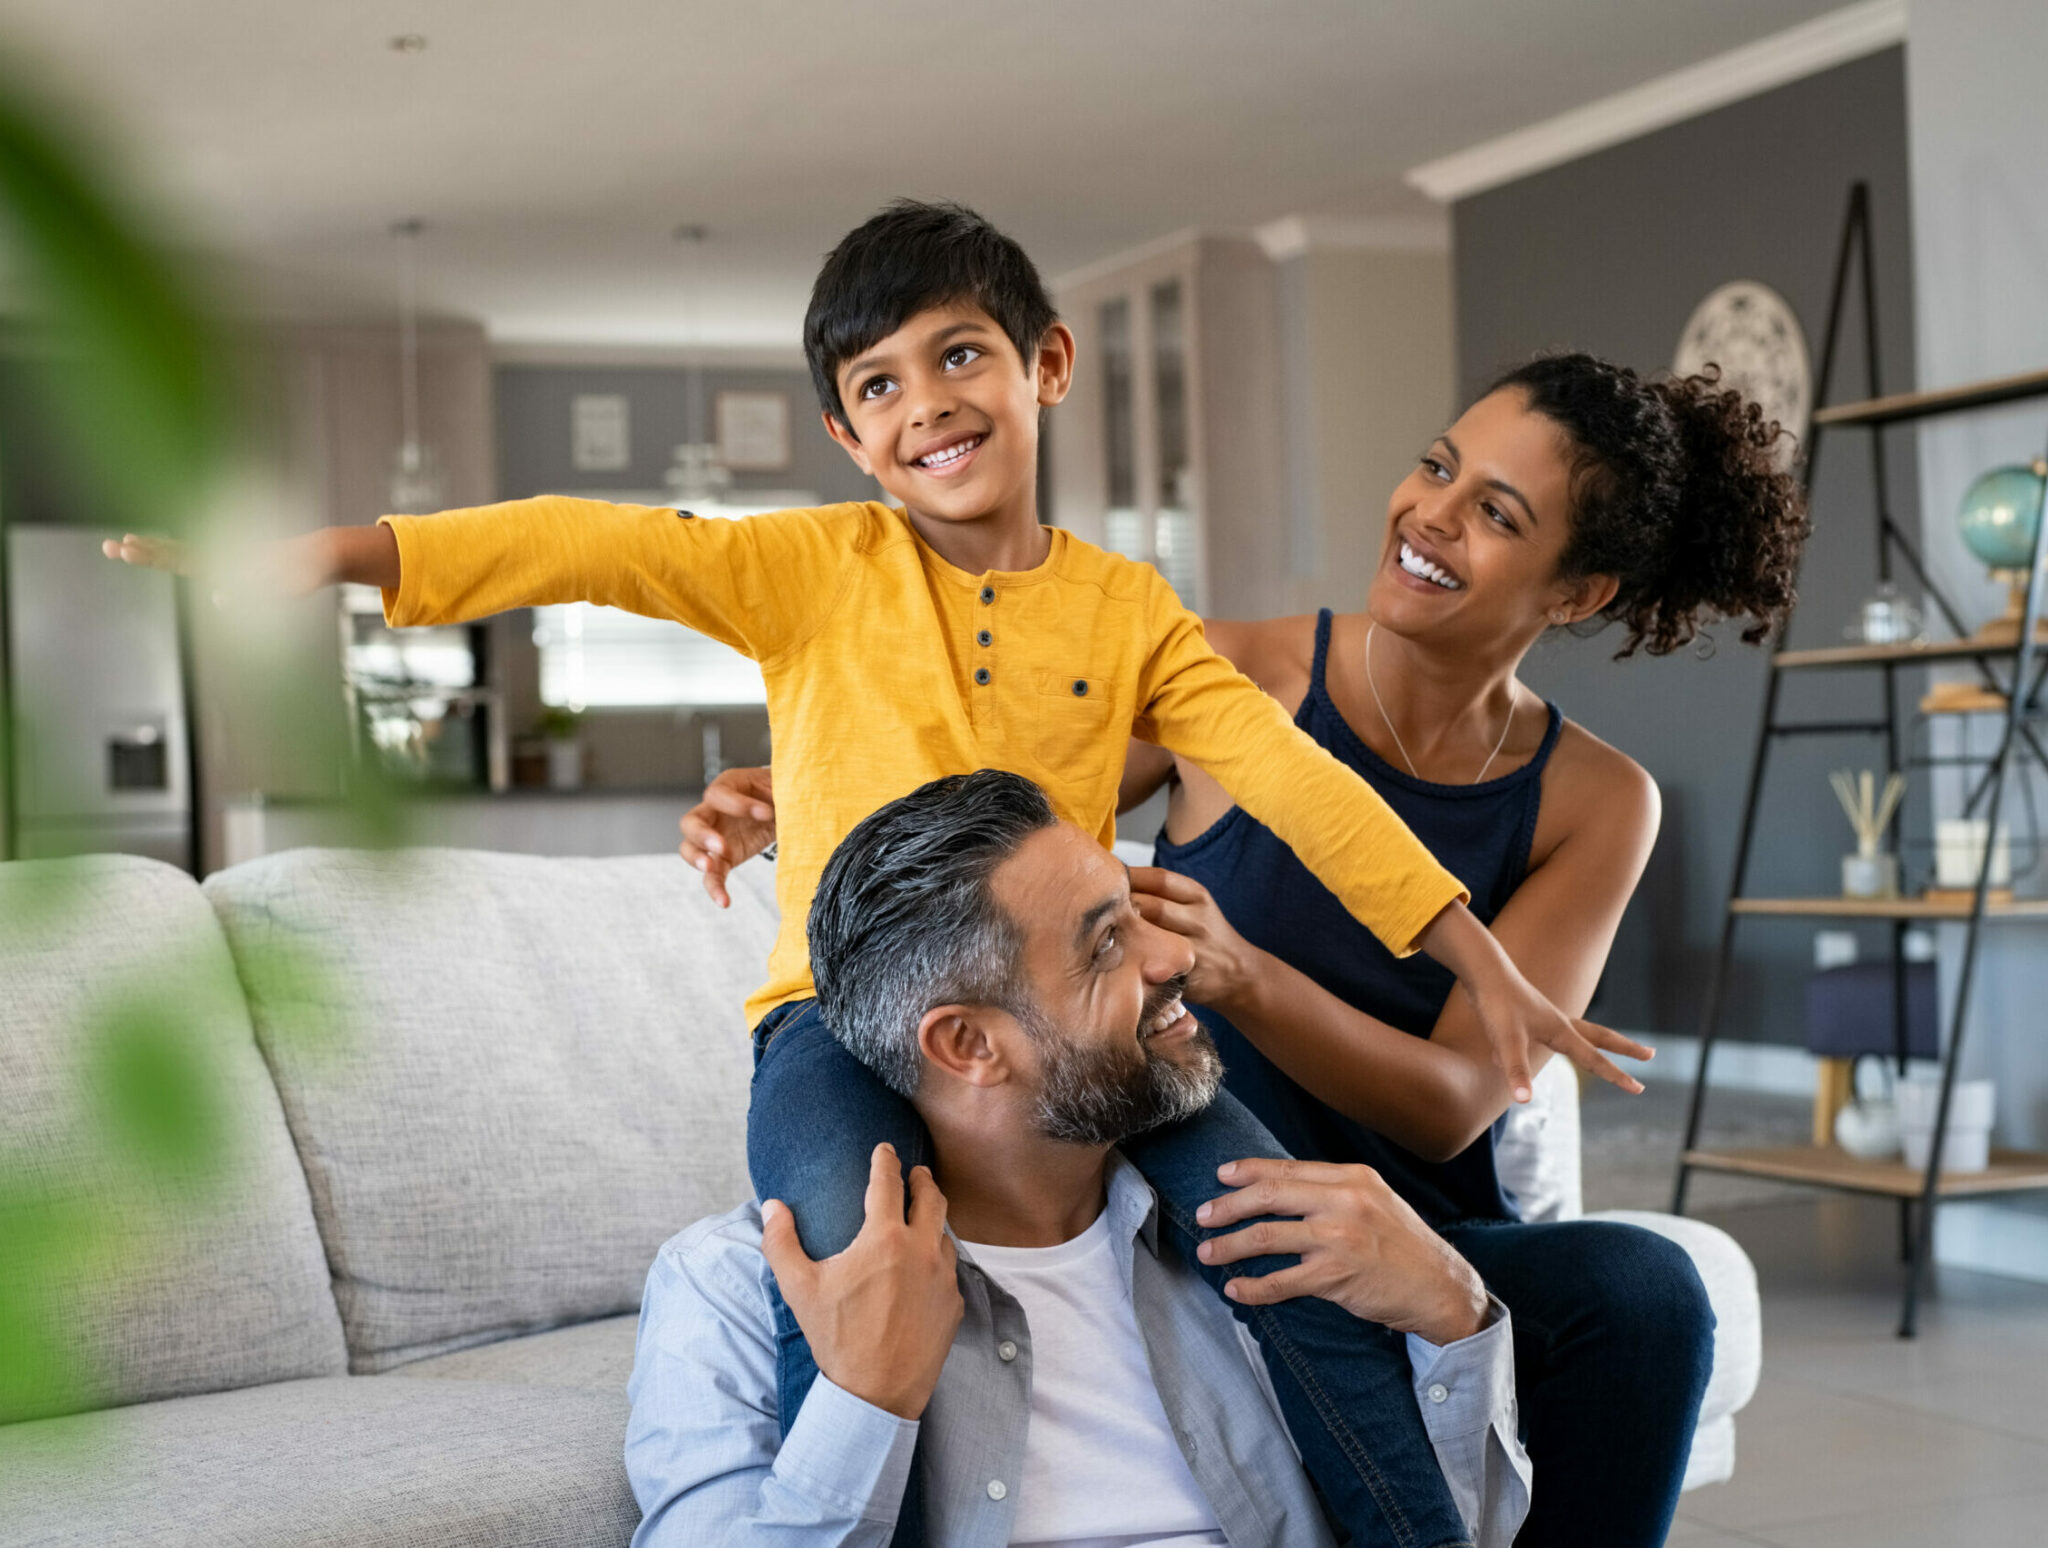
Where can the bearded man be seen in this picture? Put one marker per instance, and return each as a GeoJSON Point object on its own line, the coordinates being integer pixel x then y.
{"type": "Point", "coordinates": [1030, 1329]}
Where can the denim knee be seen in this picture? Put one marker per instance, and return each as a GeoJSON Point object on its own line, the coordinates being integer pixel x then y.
{"type": "Point", "coordinates": [1652, 1300]}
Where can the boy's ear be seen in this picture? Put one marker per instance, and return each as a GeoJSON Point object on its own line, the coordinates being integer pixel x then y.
{"type": "Point", "coordinates": [851, 442]}
{"type": "Point", "coordinates": [1055, 372]}
{"type": "Point", "coordinates": [957, 1040]}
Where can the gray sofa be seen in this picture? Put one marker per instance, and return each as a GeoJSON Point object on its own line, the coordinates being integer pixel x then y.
{"type": "Point", "coordinates": [464, 1098]}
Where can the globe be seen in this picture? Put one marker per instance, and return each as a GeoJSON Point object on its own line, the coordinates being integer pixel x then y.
{"type": "Point", "coordinates": [2000, 514]}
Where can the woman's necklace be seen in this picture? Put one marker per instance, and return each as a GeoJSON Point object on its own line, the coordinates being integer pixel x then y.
{"type": "Point", "coordinates": [1374, 684]}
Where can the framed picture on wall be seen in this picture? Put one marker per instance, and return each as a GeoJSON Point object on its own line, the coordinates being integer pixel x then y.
{"type": "Point", "coordinates": [753, 431]}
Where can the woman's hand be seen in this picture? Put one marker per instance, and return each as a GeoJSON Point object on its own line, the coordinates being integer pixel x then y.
{"type": "Point", "coordinates": [733, 823]}
{"type": "Point", "coordinates": [1359, 1243]}
{"type": "Point", "coordinates": [1225, 962]}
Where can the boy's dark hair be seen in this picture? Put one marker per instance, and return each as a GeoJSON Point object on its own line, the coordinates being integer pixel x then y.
{"type": "Point", "coordinates": [904, 918]}
{"type": "Point", "coordinates": [908, 259]}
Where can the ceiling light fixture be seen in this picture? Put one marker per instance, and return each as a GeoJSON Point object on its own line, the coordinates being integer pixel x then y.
{"type": "Point", "coordinates": [697, 476]}
{"type": "Point", "coordinates": [409, 43]}
{"type": "Point", "coordinates": [416, 484]}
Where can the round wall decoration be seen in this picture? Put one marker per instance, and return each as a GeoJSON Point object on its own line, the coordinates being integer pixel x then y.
{"type": "Point", "coordinates": [1752, 334]}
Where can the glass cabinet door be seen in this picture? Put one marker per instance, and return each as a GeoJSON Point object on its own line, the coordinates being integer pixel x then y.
{"type": "Point", "coordinates": [1175, 533]}
{"type": "Point", "coordinates": [1123, 525]}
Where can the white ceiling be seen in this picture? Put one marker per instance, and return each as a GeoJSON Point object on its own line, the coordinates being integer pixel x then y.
{"type": "Point", "coordinates": [552, 146]}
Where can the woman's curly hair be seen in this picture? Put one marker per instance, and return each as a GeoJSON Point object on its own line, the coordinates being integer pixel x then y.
{"type": "Point", "coordinates": [1677, 492]}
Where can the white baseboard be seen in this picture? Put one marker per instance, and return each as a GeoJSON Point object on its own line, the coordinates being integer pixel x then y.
{"type": "Point", "coordinates": [1992, 1239]}
{"type": "Point", "coordinates": [1768, 1067]}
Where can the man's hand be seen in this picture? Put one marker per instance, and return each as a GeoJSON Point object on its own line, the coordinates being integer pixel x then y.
{"type": "Point", "coordinates": [1225, 961]}
{"type": "Point", "coordinates": [1515, 1012]}
{"type": "Point", "coordinates": [881, 1315]}
{"type": "Point", "coordinates": [733, 823]}
{"type": "Point", "coordinates": [1360, 1245]}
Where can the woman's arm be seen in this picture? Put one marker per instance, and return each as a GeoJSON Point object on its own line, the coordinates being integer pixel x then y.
{"type": "Point", "coordinates": [1146, 768]}
{"type": "Point", "coordinates": [1433, 1095]}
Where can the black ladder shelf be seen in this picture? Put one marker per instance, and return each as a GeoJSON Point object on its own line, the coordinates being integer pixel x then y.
{"type": "Point", "coordinates": [2016, 673]}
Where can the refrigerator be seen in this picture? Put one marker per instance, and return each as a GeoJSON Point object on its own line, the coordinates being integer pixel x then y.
{"type": "Point", "coordinates": [99, 759]}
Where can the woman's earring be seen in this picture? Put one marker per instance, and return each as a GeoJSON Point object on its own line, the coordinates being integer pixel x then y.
{"type": "Point", "coordinates": [1558, 618]}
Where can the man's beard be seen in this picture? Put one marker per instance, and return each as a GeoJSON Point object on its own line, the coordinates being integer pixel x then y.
{"type": "Point", "coordinates": [1100, 1095]}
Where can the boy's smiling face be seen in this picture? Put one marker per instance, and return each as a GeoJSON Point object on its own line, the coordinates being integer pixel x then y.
{"type": "Point", "coordinates": [944, 413]}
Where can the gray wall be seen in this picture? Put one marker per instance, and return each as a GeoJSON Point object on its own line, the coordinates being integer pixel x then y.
{"type": "Point", "coordinates": [636, 749]}
{"type": "Point", "coordinates": [668, 407]}
{"type": "Point", "coordinates": [1981, 253]}
{"type": "Point", "coordinates": [1610, 254]}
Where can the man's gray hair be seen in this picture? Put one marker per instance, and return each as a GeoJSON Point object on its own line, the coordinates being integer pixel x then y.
{"type": "Point", "coordinates": [904, 918]}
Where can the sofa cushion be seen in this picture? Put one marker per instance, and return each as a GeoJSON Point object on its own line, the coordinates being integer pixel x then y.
{"type": "Point", "coordinates": [543, 1071]}
{"type": "Point", "coordinates": [596, 1356]}
{"type": "Point", "coordinates": [1537, 1153]}
{"type": "Point", "coordinates": [172, 1271]}
{"type": "Point", "coordinates": [367, 1462]}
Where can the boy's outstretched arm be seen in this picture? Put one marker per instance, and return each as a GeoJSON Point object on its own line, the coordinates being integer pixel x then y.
{"type": "Point", "coordinates": [758, 585]}
{"type": "Point", "coordinates": [294, 567]}
{"type": "Point", "coordinates": [1198, 705]}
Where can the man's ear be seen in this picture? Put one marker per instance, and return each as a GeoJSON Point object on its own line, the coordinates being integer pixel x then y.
{"type": "Point", "coordinates": [956, 1038]}
{"type": "Point", "coordinates": [1055, 366]}
{"type": "Point", "coordinates": [851, 442]}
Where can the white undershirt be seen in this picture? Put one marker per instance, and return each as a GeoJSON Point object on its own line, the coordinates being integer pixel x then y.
{"type": "Point", "coordinates": [1101, 1466]}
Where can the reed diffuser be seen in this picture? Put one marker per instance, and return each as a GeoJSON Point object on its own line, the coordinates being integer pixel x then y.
{"type": "Point", "coordinates": [1870, 872]}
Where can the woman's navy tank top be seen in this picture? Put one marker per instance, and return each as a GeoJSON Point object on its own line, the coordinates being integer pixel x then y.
{"type": "Point", "coordinates": [1481, 833]}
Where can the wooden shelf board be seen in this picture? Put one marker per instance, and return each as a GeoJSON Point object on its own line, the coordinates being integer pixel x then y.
{"type": "Point", "coordinates": [1877, 655]}
{"type": "Point", "coordinates": [1948, 400]}
{"type": "Point", "coordinates": [2011, 1171]}
{"type": "Point", "coordinates": [1887, 908]}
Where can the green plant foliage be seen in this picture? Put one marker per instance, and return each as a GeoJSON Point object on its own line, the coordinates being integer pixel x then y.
{"type": "Point", "coordinates": [47, 1244]}
{"type": "Point", "coordinates": [137, 389]}
{"type": "Point", "coordinates": [129, 376]}
{"type": "Point", "coordinates": [161, 1103]}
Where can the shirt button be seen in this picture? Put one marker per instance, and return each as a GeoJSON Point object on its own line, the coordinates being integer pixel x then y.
{"type": "Point", "coordinates": [996, 1489]}
{"type": "Point", "coordinates": [984, 638]}
{"type": "Point", "coordinates": [988, 594]}
{"type": "Point", "coordinates": [1080, 687]}
{"type": "Point", "coordinates": [1438, 1392]}
{"type": "Point", "coordinates": [981, 676]}
{"type": "Point", "coordinates": [1006, 1351]}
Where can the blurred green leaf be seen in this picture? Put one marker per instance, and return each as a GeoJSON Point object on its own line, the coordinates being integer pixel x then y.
{"type": "Point", "coordinates": [48, 1245]}
{"type": "Point", "coordinates": [136, 388]}
{"type": "Point", "coordinates": [160, 1090]}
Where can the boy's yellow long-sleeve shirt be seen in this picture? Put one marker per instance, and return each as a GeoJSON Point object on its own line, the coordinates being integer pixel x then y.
{"type": "Point", "coordinates": [887, 667]}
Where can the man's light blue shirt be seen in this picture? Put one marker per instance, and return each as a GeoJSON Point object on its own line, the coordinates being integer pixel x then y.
{"type": "Point", "coordinates": [708, 1461]}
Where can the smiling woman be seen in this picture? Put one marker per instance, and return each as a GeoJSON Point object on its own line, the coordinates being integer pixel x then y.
{"type": "Point", "coordinates": [1573, 493]}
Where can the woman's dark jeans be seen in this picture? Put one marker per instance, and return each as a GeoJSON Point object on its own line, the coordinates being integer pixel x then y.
{"type": "Point", "coordinates": [1614, 1341]}
{"type": "Point", "coordinates": [1345, 1386]}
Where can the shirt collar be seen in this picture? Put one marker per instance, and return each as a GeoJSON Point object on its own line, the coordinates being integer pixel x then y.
{"type": "Point", "coordinates": [1133, 1206]}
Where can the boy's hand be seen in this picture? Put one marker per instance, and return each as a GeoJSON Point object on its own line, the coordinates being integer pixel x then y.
{"type": "Point", "coordinates": [1359, 1243]}
{"type": "Point", "coordinates": [881, 1315]}
{"type": "Point", "coordinates": [292, 567]}
{"type": "Point", "coordinates": [1225, 962]}
{"type": "Point", "coordinates": [733, 823]}
{"type": "Point", "coordinates": [1514, 1012]}
{"type": "Point", "coordinates": [150, 553]}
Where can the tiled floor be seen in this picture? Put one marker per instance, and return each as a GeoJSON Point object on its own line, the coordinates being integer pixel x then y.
{"type": "Point", "coordinates": [1856, 1437]}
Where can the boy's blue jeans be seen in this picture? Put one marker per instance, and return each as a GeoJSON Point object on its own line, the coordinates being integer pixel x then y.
{"type": "Point", "coordinates": [1345, 1386]}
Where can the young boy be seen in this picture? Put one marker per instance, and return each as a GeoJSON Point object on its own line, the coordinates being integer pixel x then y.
{"type": "Point", "coordinates": [955, 634]}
